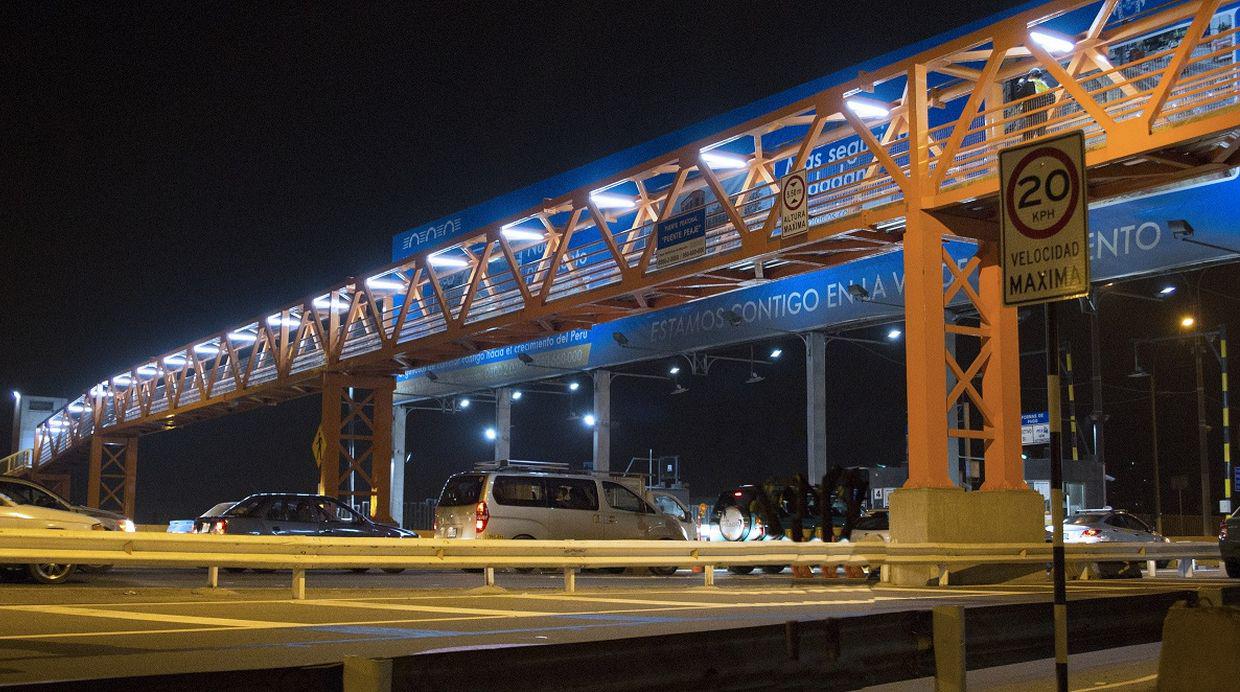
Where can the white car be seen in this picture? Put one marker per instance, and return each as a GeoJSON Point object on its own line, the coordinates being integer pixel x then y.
{"type": "Point", "coordinates": [875, 526]}
{"type": "Point", "coordinates": [19, 516]}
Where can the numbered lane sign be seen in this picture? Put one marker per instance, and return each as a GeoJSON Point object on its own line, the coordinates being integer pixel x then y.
{"type": "Point", "coordinates": [1043, 212]}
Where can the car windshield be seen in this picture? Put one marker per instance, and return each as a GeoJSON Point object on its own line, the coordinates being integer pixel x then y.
{"type": "Point", "coordinates": [219, 509]}
{"type": "Point", "coordinates": [461, 490]}
{"type": "Point", "coordinates": [1083, 519]}
{"type": "Point", "coordinates": [247, 507]}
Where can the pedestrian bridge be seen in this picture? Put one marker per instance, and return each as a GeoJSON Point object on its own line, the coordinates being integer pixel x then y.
{"type": "Point", "coordinates": [901, 154]}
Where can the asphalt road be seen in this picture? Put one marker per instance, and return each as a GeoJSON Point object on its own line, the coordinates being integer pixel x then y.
{"type": "Point", "coordinates": [139, 621]}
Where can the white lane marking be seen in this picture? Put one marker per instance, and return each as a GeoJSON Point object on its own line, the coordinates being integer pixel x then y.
{"type": "Point", "coordinates": [423, 608]}
{"type": "Point", "coordinates": [1123, 683]}
{"type": "Point", "coordinates": [149, 617]}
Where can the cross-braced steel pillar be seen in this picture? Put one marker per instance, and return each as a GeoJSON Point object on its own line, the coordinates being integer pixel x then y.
{"type": "Point", "coordinates": [357, 436]}
{"type": "Point", "coordinates": [112, 478]}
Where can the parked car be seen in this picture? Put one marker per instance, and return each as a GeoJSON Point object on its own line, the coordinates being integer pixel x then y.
{"type": "Point", "coordinates": [671, 505]}
{"type": "Point", "coordinates": [515, 502]}
{"type": "Point", "coordinates": [28, 492]}
{"type": "Point", "coordinates": [19, 515]}
{"type": "Point", "coordinates": [1108, 526]}
{"type": "Point", "coordinates": [295, 514]}
{"type": "Point", "coordinates": [1229, 544]}
{"type": "Point", "coordinates": [875, 526]}
{"type": "Point", "coordinates": [187, 525]}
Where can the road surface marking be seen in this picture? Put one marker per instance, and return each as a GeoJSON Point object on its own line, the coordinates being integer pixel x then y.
{"type": "Point", "coordinates": [424, 608]}
{"type": "Point", "coordinates": [1113, 685]}
{"type": "Point", "coordinates": [79, 611]}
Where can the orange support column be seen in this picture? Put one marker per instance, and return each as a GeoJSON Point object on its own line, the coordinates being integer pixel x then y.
{"type": "Point", "coordinates": [1001, 379]}
{"type": "Point", "coordinates": [925, 342]}
{"type": "Point", "coordinates": [113, 474]}
{"type": "Point", "coordinates": [357, 441]}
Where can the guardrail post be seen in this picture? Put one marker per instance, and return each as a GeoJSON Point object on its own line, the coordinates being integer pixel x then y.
{"type": "Point", "coordinates": [949, 653]}
{"type": "Point", "coordinates": [488, 575]}
{"type": "Point", "coordinates": [213, 576]}
{"type": "Point", "coordinates": [1151, 568]}
{"type": "Point", "coordinates": [570, 579]}
{"type": "Point", "coordinates": [299, 584]}
{"type": "Point", "coordinates": [363, 674]}
{"type": "Point", "coordinates": [1187, 566]}
{"type": "Point", "coordinates": [709, 574]}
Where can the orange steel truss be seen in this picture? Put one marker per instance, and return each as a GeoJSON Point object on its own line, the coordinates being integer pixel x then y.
{"type": "Point", "coordinates": [357, 437]}
{"type": "Point", "coordinates": [1150, 120]}
{"type": "Point", "coordinates": [113, 473]}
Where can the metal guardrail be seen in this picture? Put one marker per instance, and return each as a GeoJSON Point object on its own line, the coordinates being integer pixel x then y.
{"type": "Point", "coordinates": [302, 553]}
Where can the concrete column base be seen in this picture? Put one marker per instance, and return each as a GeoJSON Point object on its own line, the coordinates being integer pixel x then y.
{"type": "Point", "coordinates": [1199, 648]}
{"type": "Point", "coordinates": [951, 515]}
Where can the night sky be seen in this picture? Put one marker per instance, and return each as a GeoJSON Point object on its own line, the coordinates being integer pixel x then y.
{"type": "Point", "coordinates": [173, 169]}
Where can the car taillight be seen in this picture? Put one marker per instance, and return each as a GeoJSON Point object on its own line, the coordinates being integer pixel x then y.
{"type": "Point", "coordinates": [481, 516]}
{"type": "Point", "coordinates": [1222, 530]}
{"type": "Point", "coordinates": [220, 526]}
{"type": "Point", "coordinates": [1091, 532]}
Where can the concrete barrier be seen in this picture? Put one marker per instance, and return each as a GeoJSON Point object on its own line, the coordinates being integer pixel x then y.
{"type": "Point", "coordinates": [1200, 648]}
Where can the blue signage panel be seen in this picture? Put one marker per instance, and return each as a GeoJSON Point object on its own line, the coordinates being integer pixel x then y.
{"type": "Point", "coordinates": [1041, 417]}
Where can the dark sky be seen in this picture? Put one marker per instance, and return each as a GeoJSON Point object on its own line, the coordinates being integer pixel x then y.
{"type": "Point", "coordinates": [171, 169]}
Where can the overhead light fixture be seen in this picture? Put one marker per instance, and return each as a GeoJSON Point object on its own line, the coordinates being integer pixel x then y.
{"type": "Point", "coordinates": [680, 389]}
{"type": "Point", "coordinates": [574, 386]}
{"type": "Point", "coordinates": [432, 376]}
{"type": "Point", "coordinates": [754, 378]}
{"type": "Point", "coordinates": [175, 361]}
{"type": "Point", "coordinates": [148, 370]}
{"type": "Point", "coordinates": [894, 334]}
{"type": "Point", "coordinates": [865, 108]}
{"type": "Point", "coordinates": [1187, 321]}
{"type": "Point", "coordinates": [446, 262]}
{"type": "Point", "coordinates": [516, 395]}
{"type": "Point", "coordinates": [207, 349]}
{"type": "Point", "coordinates": [122, 379]}
{"type": "Point", "coordinates": [278, 320]}
{"type": "Point", "coordinates": [78, 408]}
{"type": "Point", "coordinates": [733, 318]}
{"type": "Point", "coordinates": [243, 337]}
{"type": "Point", "coordinates": [490, 434]}
{"type": "Point", "coordinates": [620, 338]}
{"type": "Point", "coordinates": [328, 303]}
{"type": "Point", "coordinates": [523, 234]}
{"type": "Point", "coordinates": [385, 284]}
{"type": "Point", "coordinates": [776, 353]}
{"type": "Point", "coordinates": [464, 403]}
{"type": "Point", "coordinates": [717, 159]}
{"type": "Point", "coordinates": [1052, 44]}
{"type": "Point", "coordinates": [1166, 290]}
{"type": "Point", "coordinates": [858, 292]}
{"type": "Point", "coordinates": [606, 201]}
{"type": "Point", "coordinates": [589, 420]}
{"type": "Point", "coordinates": [674, 370]}
{"type": "Point", "coordinates": [525, 358]}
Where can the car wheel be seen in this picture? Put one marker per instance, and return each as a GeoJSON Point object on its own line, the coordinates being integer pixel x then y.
{"type": "Point", "coordinates": [49, 573]}
{"type": "Point", "coordinates": [393, 570]}
{"type": "Point", "coordinates": [1233, 568]}
{"type": "Point", "coordinates": [663, 571]}
{"type": "Point", "coordinates": [746, 569]}
{"type": "Point", "coordinates": [360, 570]}
{"type": "Point", "coordinates": [773, 569]}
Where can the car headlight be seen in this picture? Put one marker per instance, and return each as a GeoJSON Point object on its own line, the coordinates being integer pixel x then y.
{"type": "Point", "coordinates": [127, 526]}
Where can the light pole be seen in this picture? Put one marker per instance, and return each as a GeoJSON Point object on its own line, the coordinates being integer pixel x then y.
{"type": "Point", "coordinates": [1138, 372]}
{"type": "Point", "coordinates": [17, 423]}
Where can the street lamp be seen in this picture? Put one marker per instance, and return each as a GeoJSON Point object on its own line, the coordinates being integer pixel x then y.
{"type": "Point", "coordinates": [589, 420]}
{"type": "Point", "coordinates": [1137, 373]}
{"type": "Point", "coordinates": [1187, 322]}
{"type": "Point", "coordinates": [490, 434]}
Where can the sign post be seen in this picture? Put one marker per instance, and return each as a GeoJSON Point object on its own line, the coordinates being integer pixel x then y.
{"type": "Point", "coordinates": [1044, 245]}
{"type": "Point", "coordinates": [793, 205]}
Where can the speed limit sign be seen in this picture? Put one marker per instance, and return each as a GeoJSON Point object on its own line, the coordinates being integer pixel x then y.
{"type": "Point", "coordinates": [1043, 211]}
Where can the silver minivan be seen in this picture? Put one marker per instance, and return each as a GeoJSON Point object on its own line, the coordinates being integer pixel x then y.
{"type": "Point", "coordinates": [513, 502]}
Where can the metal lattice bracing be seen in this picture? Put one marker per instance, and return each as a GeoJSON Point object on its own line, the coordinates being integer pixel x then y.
{"type": "Point", "coordinates": [357, 442]}
{"type": "Point", "coordinates": [902, 156]}
{"type": "Point", "coordinates": [113, 473]}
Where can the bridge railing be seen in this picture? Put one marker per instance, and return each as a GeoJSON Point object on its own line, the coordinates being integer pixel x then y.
{"type": "Point", "coordinates": [16, 463]}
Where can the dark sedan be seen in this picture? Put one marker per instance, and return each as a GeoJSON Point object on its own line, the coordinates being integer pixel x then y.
{"type": "Point", "coordinates": [293, 514]}
{"type": "Point", "coordinates": [1229, 544]}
